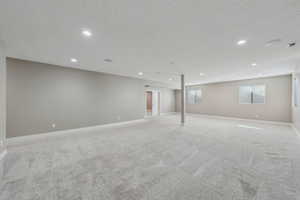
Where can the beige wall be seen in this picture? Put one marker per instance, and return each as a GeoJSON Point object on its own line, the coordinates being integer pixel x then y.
{"type": "Point", "coordinates": [167, 100]}
{"type": "Point", "coordinates": [223, 99]}
{"type": "Point", "coordinates": [40, 95]}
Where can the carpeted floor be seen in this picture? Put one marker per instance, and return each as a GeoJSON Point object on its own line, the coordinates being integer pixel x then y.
{"type": "Point", "coordinates": [158, 159]}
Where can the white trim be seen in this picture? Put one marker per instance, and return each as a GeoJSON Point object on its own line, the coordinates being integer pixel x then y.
{"type": "Point", "coordinates": [40, 136]}
{"type": "Point", "coordinates": [240, 119]}
{"type": "Point", "coordinates": [2, 155]}
{"type": "Point", "coordinates": [161, 114]}
{"type": "Point", "coordinates": [168, 113]}
{"type": "Point", "coordinates": [295, 129]}
{"type": "Point", "coordinates": [252, 86]}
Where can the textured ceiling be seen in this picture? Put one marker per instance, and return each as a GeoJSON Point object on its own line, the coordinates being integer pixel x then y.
{"type": "Point", "coordinates": [160, 38]}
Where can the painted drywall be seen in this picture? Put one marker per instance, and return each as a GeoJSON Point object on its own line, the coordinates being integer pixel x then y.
{"type": "Point", "coordinates": [296, 106]}
{"type": "Point", "coordinates": [41, 95]}
{"type": "Point", "coordinates": [2, 98]}
{"type": "Point", "coordinates": [167, 100]}
{"type": "Point", "coordinates": [223, 99]}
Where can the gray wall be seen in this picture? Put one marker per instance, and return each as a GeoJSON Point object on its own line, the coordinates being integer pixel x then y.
{"type": "Point", "coordinates": [2, 98]}
{"type": "Point", "coordinates": [223, 99]}
{"type": "Point", "coordinates": [40, 95]}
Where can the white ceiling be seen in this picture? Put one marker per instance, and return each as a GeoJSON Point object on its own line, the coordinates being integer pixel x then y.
{"type": "Point", "coordinates": [166, 36]}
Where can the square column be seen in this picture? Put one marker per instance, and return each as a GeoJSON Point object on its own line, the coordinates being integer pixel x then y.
{"type": "Point", "coordinates": [2, 100]}
{"type": "Point", "coordinates": [182, 99]}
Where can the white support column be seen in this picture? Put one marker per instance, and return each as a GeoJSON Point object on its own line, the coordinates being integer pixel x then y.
{"type": "Point", "coordinates": [182, 100]}
{"type": "Point", "coordinates": [2, 101]}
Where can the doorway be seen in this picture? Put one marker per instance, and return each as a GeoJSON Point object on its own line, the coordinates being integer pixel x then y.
{"type": "Point", "coordinates": [152, 103]}
{"type": "Point", "coordinates": [149, 103]}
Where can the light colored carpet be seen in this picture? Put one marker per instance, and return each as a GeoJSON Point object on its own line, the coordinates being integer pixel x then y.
{"type": "Point", "coordinates": [207, 159]}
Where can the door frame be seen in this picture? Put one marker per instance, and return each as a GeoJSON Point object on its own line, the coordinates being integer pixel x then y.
{"type": "Point", "coordinates": [156, 93]}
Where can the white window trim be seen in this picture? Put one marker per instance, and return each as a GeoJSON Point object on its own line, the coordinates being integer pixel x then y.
{"type": "Point", "coordinates": [194, 88]}
{"type": "Point", "coordinates": [249, 85]}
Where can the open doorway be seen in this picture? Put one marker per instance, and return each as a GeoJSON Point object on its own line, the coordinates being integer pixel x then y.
{"type": "Point", "coordinates": [152, 103]}
{"type": "Point", "coordinates": [149, 103]}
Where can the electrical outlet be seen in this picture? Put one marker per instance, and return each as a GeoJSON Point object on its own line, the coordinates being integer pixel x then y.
{"type": "Point", "coordinates": [257, 116]}
{"type": "Point", "coordinates": [119, 117]}
{"type": "Point", "coordinates": [53, 125]}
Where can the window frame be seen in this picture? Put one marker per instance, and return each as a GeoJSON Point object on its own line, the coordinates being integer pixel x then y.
{"type": "Point", "coordinates": [252, 100]}
{"type": "Point", "coordinates": [187, 95]}
{"type": "Point", "coordinates": [239, 97]}
{"type": "Point", "coordinates": [296, 92]}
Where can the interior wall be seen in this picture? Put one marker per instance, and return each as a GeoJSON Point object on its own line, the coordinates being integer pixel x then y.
{"type": "Point", "coordinates": [155, 103]}
{"type": "Point", "coordinates": [167, 100]}
{"type": "Point", "coordinates": [223, 99]}
{"type": "Point", "coordinates": [44, 98]}
{"type": "Point", "coordinates": [2, 99]}
{"type": "Point", "coordinates": [296, 108]}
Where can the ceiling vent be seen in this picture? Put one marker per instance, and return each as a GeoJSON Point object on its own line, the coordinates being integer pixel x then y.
{"type": "Point", "coordinates": [273, 42]}
{"type": "Point", "coordinates": [292, 44]}
{"type": "Point", "coordinates": [108, 60]}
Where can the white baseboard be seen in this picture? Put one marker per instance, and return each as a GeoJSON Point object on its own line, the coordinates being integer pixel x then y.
{"type": "Point", "coordinates": [2, 155]}
{"type": "Point", "coordinates": [30, 138]}
{"type": "Point", "coordinates": [295, 129]}
{"type": "Point", "coordinates": [161, 114]}
{"type": "Point", "coordinates": [42, 136]}
{"type": "Point", "coordinates": [168, 113]}
{"type": "Point", "coordinates": [240, 119]}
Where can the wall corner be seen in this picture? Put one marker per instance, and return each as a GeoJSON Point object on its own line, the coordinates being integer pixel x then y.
{"type": "Point", "coordinates": [2, 100]}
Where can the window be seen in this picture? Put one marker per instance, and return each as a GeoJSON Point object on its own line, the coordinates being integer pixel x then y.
{"type": "Point", "coordinates": [194, 95]}
{"type": "Point", "coordinates": [296, 91]}
{"type": "Point", "coordinates": [253, 94]}
{"type": "Point", "coordinates": [245, 95]}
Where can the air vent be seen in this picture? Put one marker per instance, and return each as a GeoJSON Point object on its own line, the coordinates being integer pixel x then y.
{"type": "Point", "coordinates": [291, 44]}
{"type": "Point", "coordinates": [273, 42]}
{"type": "Point", "coordinates": [107, 60]}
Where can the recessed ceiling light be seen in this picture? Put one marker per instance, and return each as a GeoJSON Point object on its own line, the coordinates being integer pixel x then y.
{"type": "Point", "coordinates": [241, 42]}
{"type": "Point", "coordinates": [141, 73]}
{"type": "Point", "coordinates": [202, 74]}
{"type": "Point", "coordinates": [74, 60]}
{"type": "Point", "coordinates": [107, 60]}
{"type": "Point", "coordinates": [86, 33]}
{"type": "Point", "coordinates": [254, 64]}
{"type": "Point", "coordinates": [170, 79]}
